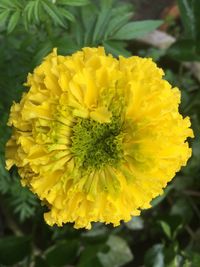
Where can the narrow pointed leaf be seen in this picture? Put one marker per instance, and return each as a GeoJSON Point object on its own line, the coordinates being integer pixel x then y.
{"type": "Point", "coordinates": [101, 23]}
{"type": "Point", "coordinates": [188, 17]}
{"type": "Point", "coordinates": [74, 2]}
{"type": "Point", "coordinates": [116, 23]}
{"type": "Point", "coordinates": [28, 11]}
{"type": "Point", "coordinates": [116, 48]}
{"type": "Point", "coordinates": [36, 10]}
{"type": "Point", "coordinates": [136, 29]}
{"type": "Point", "coordinates": [13, 21]}
{"type": "Point", "coordinates": [53, 12]}
{"type": "Point", "coordinates": [4, 16]}
{"type": "Point", "coordinates": [68, 15]}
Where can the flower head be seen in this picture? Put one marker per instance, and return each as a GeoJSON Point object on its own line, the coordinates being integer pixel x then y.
{"type": "Point", "coordinates": [97, 138]}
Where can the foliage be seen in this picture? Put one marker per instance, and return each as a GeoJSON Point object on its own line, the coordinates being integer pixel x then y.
{"type": "Point", "coordinates": [188, 47]}
{"type": "Point", "coordinates": [168, 235]}
{"type": "Point", "coordinates": [34, 12]}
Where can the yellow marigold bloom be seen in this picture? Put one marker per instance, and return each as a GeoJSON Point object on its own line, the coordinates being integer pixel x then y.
{"type": "Point", "coordinates": [97, 138]}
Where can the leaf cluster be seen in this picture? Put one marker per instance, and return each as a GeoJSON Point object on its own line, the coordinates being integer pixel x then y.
{"type": "Point", "coordinates": [187, 48]}
{"type": "Point", "coordinates": [168, 235]}
{"type": "Point", "coordinates": [33, 12]}
{"type": "Point", "coordinates": [108, 23]}
{"type": "Point", "coordinates": [16, 198]}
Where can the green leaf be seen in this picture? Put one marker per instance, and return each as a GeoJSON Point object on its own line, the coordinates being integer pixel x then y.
{"type": "Point", "coordinates": [172, 258]}
{"type": "Point", "coordinates": [106, 4]}
{"type": "Point", "coordinates": [21, 199]}
{"type": "Point", "coordinates": [4, 16]}
{"type": "Point", "coordinates": [88, 18]}
{"type": "Point", "coordinates": [6, 4]}
{"type": "Point", "coordinates": [101, 23]}
{"type": "Point", "coordinates": [78, 30]}
{"type": "Point", "coordinates": [53, 12]}
{"type": "Point", "coordinates": [184, 50]}
{"type": "Point", "coordinates": [117, 22]}
{"type": "Point", "coordinates": [187, 15]}
{"type": "Point", "coordinates": [32, 11]}
{"type": "Point", "coordinates": [120, 15]}
{"type": "Point", "coordinates": [171, 225]}
{"type": "Point", "coordinates": [190, 17]}
{"type": "Point", "coordinates": [65, 45]}
{"type": "Point", "coordinates": [43, 50]}
{"type": "Point", "coordinates": [116, 48]}
{"type": "Point", "coordinates": [154, 257]}
{"type": "Point", "coordinates": [28, 10]}
{"type": "Point", "coordinates": [118, 255]}
{"type": "Point", "coordinates": [166, 229]}
{"type": "Point", "coordinates": [155, 53]}
{"type": "Point", "coordinates": [24, 211]}
{"type": "Point", "coordinates": [14, 19]}
{"type": "Point", "coordinates": [74, 2]}
{"type": "Point", "coordinates": [14, 249]}
{"type": "Point", "coordinates": [88, 15]}
{"type": "Point", "coordinates": [37, 10]}
{"type": "Point", "coordinates": [120, 8]}
{"type": "Point", "coordinates": [65, 252]}
{"type": "Point", "coordinates": [28, 14]}
{"type": "Point", "coordinates": [15, 4]}
{"type": "Point", "coordinates": [68, 15]}
{"type": "Point", "coordinates": [136, 29]}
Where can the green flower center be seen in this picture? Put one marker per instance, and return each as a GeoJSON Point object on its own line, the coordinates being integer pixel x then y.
{"type": "Point", "coordinates": [95, 144]}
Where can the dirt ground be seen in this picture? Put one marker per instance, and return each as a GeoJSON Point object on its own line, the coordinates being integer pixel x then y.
{"type": "Point", "coordinates": [150, 9]}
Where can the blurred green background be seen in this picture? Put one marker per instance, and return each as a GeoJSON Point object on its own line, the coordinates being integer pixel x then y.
{"type": "Point", "coordinates": [168, 235]}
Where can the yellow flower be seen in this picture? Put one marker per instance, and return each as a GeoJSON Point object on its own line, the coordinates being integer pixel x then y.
{"type": "Point", "coordinates": [97, 138]}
